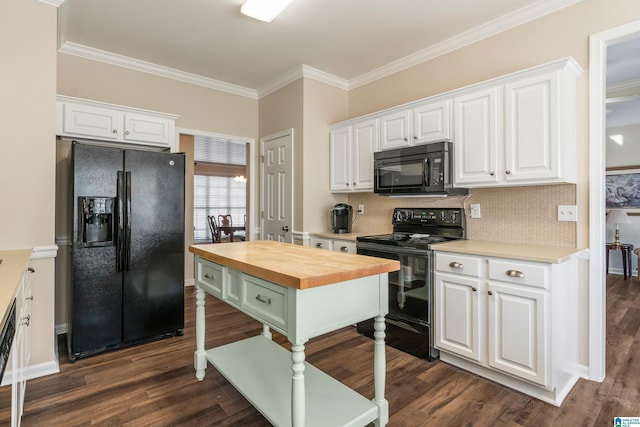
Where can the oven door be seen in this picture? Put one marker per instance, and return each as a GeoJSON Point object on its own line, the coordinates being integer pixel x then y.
{"type": "Point", "coordinates": [410, 299]}
{"type": "Point", "coordinates": [410, 287]}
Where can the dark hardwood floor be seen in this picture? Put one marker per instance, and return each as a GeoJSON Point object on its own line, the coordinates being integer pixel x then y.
{"type": "Point", "coordinates": [154, 384]}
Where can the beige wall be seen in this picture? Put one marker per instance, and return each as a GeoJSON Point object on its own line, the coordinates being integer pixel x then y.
{"type": "Point", "coordinates": [322, 104]}
{"type": "Point", "coordinates": [27, 165]}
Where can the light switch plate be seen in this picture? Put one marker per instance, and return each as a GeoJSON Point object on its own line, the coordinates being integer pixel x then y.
{"type": "Point", "coordinates": [567, 213]}
{"type": "Point", "coordinates": [475, 210]}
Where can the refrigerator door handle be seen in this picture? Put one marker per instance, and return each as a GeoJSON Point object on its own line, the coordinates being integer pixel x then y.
{"type": "Point", "coordinates": [121, 236]}
{"type": "Point", "coordinates": [127, 255]}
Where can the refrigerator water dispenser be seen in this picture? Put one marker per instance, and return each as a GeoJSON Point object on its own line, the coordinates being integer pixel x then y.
{"type": "Point", "coordinates": [96, 221]}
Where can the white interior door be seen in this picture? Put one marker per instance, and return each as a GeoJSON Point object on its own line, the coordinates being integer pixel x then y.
{"type": "Point", "coordinates": [277, 186]}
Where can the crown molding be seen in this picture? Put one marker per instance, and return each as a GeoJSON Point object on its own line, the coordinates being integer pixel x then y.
{"type": "Point", "coordinates": [303, 71]}
{"type": "Point", "coordinates": [75, 49]}
{"type": "Point", "coordinates": [476, 34]}
{"type": "Point", "coordinates": [626, 85]}
{"type": "Point", "coordinates": [55, 3]}
{"type": "Point", "coordinates": [496, 26]}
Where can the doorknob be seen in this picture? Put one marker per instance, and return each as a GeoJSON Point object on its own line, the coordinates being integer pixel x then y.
{"type": "Point", "coordinates": [285, 228]}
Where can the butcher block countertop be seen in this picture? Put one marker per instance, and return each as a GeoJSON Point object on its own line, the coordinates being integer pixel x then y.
{"type": "Point", "coordinates": [13, 265]}
{"type": "Point", "coordinates": [291, 265]}
{"type": "Point", "coordinates": [548, 254]}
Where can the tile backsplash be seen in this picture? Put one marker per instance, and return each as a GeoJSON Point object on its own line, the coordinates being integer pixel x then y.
{"type": "Point", "coordinates": [508, 214]}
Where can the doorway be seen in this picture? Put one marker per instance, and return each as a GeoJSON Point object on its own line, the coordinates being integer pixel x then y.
{"type": "Point", "coordinates": [597, 159]}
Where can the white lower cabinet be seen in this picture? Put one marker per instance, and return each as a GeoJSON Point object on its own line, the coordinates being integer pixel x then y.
{"type": "Point", "coordinates": [338, 245]}
{"type": "Point", "coordinates": [511, 321]}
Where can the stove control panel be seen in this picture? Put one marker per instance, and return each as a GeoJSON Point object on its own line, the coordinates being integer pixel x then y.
{"type": "Point", "coordinates": [428, 216]}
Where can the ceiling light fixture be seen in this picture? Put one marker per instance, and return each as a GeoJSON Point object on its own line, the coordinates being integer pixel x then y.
{"type": "Point", "coordinates": [264, 10]}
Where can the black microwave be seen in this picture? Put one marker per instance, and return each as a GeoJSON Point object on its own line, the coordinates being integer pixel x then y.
{"type": "Point", "coordinates": [415, 171]}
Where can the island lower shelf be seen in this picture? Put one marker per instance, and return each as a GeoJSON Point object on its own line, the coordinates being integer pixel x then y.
{"type": "Point", "coordinates": [266, 383]}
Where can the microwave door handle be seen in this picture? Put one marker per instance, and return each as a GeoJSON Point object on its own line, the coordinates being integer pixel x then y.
{"type": "Point", "coordinates": [427, 174]}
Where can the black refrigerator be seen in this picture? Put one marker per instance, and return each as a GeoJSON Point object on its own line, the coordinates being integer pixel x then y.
{"type": "Point", "coordinates": [127, 256]}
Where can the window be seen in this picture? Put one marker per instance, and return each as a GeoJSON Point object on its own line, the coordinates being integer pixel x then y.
{"type": "Point", "coordinates": [217, 191]}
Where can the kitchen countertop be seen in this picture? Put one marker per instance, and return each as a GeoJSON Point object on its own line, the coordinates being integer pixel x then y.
{"type": "Point", "coordinates": [14, 263]}
{"type": "Point", "coordinates": [331, 235]}
{"type": "Point", "coordinates": [548, 254]}
{"type": "Point", "coordinates": [291, 265]}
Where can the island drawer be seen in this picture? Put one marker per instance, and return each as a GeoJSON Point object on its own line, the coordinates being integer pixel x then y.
{"type": "Point", "coordinates": [459, 264]}
{"type": "Point", "coordinates": [266, 301]}
{"type": "Point", "coordinates": [210, 276]}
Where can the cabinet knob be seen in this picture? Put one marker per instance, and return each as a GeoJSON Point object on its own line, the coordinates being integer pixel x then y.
{"type": "Point", "coordinates": [490, 293]}
{"type": "Point", "coordinates": [405, 139]}
{"type": "Point", "coordinates": [456, 264]}
{"type": "Point", "coordinates": [318, 245]}
{"type": "Point", "coordinates": [515, 273]}
{"type": "Point", "coordinates": [508, 172]}
{"type": "Point", "coordinates": [115, 131]}
{"type": "Point", "coordinates": [126, 132]}
{"type": "Point", "coordinates": [344, 249]}
{"type": "Point", "coordinates": [415, 137]}
{"type": "Point", "coordinates": [492, 173]}
{"type": "Point", "coordinates": [354, 184]}
{"type": "Point", "coordinates": [473, 288]}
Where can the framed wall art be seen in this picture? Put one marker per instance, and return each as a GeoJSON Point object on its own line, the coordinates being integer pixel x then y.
{"type": "Point", "coordinates": [623, 188]}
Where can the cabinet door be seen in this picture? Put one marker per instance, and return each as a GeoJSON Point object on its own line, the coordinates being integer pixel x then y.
{"type": "Point", "coordinates": [148, 129]}
{"type": "Point", "coordinates": [91, 122]}
{"type": "Point", "coordinates": [477, 137]}
{"type": "Point", "coordinates": [340, 146]}
{"type": "Point", "coordinates": [431, 122]}
{"type": "Point", "coordinates": [518, 331]}
{"type": "Point", "coordinates": [394, 129]}
{"type": "Point", "coordinates": [457, 315]}
{"type": "Point", "coordinates": [531, 139]}
{"type": "Point", "coordinates": [365, 143]}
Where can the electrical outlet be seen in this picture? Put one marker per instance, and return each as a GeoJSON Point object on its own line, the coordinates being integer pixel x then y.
{"type": "Point", "coordinates": [567, 213]}
{"type": "Point", "coordinates": [475, 210]}
{"type": "Point", "coordinates": [361, 209]}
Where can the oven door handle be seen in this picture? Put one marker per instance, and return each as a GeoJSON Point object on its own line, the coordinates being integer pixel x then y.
{"type": "Point", "coordinates": [402, 325]}
{"type": "Point", "coordinates": [392, 249]}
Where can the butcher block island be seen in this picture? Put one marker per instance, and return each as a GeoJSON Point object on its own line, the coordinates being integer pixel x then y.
{"type": "Point", "coordinates": [302, 293]}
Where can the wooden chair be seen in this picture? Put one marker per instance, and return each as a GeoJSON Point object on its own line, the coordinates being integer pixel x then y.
{"type": "Point", "coordinates": [215, 231]}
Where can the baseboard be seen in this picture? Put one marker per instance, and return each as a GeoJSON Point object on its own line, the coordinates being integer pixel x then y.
{"type": "Point", "coordinates": [34, 371]}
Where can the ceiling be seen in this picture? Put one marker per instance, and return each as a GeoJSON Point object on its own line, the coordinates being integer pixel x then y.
{"type": "Point", "coordinates": [348, 42]}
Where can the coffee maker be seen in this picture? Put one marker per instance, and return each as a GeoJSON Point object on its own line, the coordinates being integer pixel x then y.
{"type": "Point", "coordinates": [341, 218]}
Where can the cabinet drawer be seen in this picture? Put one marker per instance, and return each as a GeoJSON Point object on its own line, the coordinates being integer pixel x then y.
{"type": "Point", "coordinates": [321, 243]}
{"type": "Point", "coordinates": [519, 272]}
{"type": "Point", "coordinates": [210, 277]}
{"type": "Point", "coordinates": [459, 264]}
{"type": "Point", "coordinates": [344, 246]}
{"type": "Point", "coordinates": [266, 301]}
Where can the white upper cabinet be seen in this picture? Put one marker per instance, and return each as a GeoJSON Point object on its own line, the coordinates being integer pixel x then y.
{"type": "Point", "coordinates": [432, 121]}
{"type": "Point", "coordinates": [519, 129]}
{"type": "Point", "coordinates": [477, 136]}
{"type": "Point", "coordinates": [83, 118]}
{"type": "Point", "coordinates": [419, 123]}
{"type": "Point", "coordinates": [352, 148]}
{"type": "Point", "coordinates": [394, 129]}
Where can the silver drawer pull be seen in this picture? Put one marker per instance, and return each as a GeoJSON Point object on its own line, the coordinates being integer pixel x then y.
{"type": "Point", "coordinates": [344, 248]}
{"type": "Point", "coordinates": [455, 264]}
{"type": "Point", "coordinates": [515, 273]}
{"type": "Point", "coordinates": [318, 245]}
{"type": "Point", "coordinates": [208, 276]}
{"type": "Point", "coordinates": [265, 300]}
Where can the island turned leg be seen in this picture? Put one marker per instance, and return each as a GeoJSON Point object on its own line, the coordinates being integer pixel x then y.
{"type": "Point", "coordinates": [266, 332]}
{"type": "Point", "coordinates": [297, 386]}
{"type": "Point", "coordinates": [379, 372]}
{"type": "Point", "coordinates": [200, 355]}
